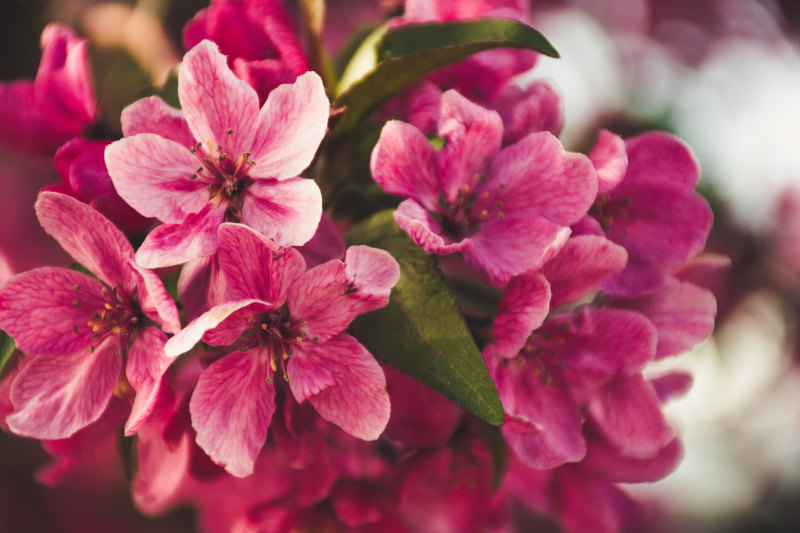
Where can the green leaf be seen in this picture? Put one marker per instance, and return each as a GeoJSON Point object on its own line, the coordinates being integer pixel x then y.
{"type": "Point", "coordinates": [410, 52]}
{"type": "Point", "coordinates": [7, 347]}
{"type": "Point", "coordinates": [496, 444]}
{"type": "Point", "coordinates": [482, 34]}
{"type": "Point", "coordinates": [421, 331]}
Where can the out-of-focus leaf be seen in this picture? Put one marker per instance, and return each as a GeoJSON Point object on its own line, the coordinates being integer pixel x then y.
{"type": "Point", "coordinates": [421, 331]}
{"type": "Point", "coordinates": [408, 53]}
{"type": "Point", "coordinates": [7, 347]}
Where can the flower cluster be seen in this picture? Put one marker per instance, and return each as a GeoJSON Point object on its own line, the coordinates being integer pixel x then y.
{"type": "Point", "coordinates": [226, 342]}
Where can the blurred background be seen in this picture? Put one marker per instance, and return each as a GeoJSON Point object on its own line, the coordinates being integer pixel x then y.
{"type": "Point", "coordinates": [722, 74]}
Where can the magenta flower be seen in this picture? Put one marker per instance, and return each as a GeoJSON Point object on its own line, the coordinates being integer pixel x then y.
{"type": "Point", "coordinates": [258, 38]}
{"type": "Point", "coordinates": [77, 330]}
{"type": "Point", "coordinates": [504, 210]}
{"type": "Point", "coordinates": [648, 205]}
{"type": "Point", "coordinates": [220, 158]}
{"type": "Point", "coordinates": [36, 117]}
{"type": "Point", "coordinates": [85, 177]}
{"type": "Point", "coordinates": [551, 373]}
{"type": "Point", "coordinates": [283, 320]}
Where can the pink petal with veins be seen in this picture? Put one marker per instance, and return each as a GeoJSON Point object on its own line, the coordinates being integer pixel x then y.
{"type": "Point", "coordinates": [55, 396]}
{"type": "Point", "coordinates": [219, 107]}
{"type": "Point", "coordinates": [231, 409]}
{"type": "Point", "coordinates": [287, 211]}
{"type": "Point", "coordinates": [344, 383]}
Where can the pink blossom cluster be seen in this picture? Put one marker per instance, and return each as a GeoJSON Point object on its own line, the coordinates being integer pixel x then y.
{"type": "Point", "coordinates": [210, 316]}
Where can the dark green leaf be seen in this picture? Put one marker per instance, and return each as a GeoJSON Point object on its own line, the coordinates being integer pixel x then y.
{"type": "Point", "coordinates": [496, 444]}
{"type": "Point", "coordinates": [485, 33]}
{"type": "Point", "coordinates": [410, 52]}
{"type": "Point", "coordinates": [7, 347]}
{"type": "Point", "coordinates": [421, 331]}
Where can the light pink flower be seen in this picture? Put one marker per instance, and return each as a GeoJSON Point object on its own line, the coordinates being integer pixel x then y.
{"type": "Point", "coordinates": [77, 330]}
{"type": "Point", "coordinates": [283, 317]}
{"type": "Point", "coordinates": [506, 210]}
{"type": "Point", "coordinates": [220, 158]}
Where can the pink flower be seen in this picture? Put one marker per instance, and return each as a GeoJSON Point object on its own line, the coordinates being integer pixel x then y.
{"type": "Point", "coordinates": [648, 205]}
{"type": "Point", "coordinates": [258, 38]}
{"type": "Point", "coordinates": [552, 373]}
{"type": "Point", "coordinates": [282, 317]}
{"type": "Point", "coordinates": [36, 117]}
{"type": "Point", "coordinates": [220, 158]}
{"type": "Point", "coordinates": [506, 210]}
{"type": "Point", "coordinates": [77, 329]}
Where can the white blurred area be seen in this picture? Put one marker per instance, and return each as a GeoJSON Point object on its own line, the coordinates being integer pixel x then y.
{"type": "Point", "coordinates": [740, 421]}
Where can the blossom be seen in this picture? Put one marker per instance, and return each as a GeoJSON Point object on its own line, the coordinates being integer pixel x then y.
{"type": "Point", "coordinates": [553, 371]}
{"type": "Point", "coordinates": [39, 116]}
{"type": "Point", "coordinates": [220, 158]}
{"type": "Point", "coordinates": [649, 207]}
{"type": "Point", "coordinates": [258, 38]}
{"type": "Point", "coordinates": [84, 176]}
{"type": "Point", "coordinates": [284, 320]}
{"type": "Point", "coordinates": [505, 210]}
{"type": "Point", "coordinates": [77, 330]}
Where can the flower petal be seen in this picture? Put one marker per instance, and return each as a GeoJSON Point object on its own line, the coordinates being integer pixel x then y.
{"type": "Point", "coordinates": [154, 175]}
{"type": "Point", "coordinates": [292, 124]}
{"type": "Point", "coordinates": [147, 364]}
{"type": "Point", "coordinates": [328, 297]}
{"type": "Point", "coordinates": [628, 413]}
{"type": "Point", "coordinates": [509, 246]}
{"type": "Point", "coordinates": [609, 159]}
{"type": "Point", "coordinates": [581, 265]}
{"type": "Point", "coordinates": [473, 134]}
{"type": "Point", "coordinates": [425, 230]}
{"type": "Point", "coordinates": [254, 266]}
{"type": "Point", "coordinates": [184, 340]}
{"type": "Point", "coordinates": [89, 237]}
{"type": "Point", "coordinates": [543, 423]}
{"type": "Point", "coordinates": [231, 409]}
{"type": "Point", "coordinates": [525, 304]}
{"type": "Point", "coordinates": [173, 244]}
{"type": "Point", "coordinates": [46, 310]}
{"type": "Point", "coordinates": [153, 115]}
{"type": "Point", "coordinates": [287, 211]}
{"type": "Point", "coordinates": [536, 176]}
{"type": "Point", "coordinates": [344, 383]}
{"type": "Point", "coordinates": [682, 313]}
{"type": "Point", "coordinates": [219, 107]}
{"type": "Point", "coordinates": [55, 396]}
{"type": "Point", "coordinates": [403, 162]}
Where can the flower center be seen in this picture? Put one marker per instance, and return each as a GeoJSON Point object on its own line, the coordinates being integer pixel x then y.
{"type": "Point", "coordinates": [470, 209]}
{"type": "Point", "coordinates": [115, 317]}
{"type": "Point", "coordinates": [276, 333]}
{"type": "Point", "coordinates": [223, 171]}
{"type": "Point", "coordinates": [606, 211]}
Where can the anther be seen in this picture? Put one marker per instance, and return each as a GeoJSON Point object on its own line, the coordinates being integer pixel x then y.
{"type": "Point", "coordinates": [76, 303]}
{"type": "Point", "coordinates": [273, 365]}
{"type": "Point", "coordinates": [76, 287]}
{"type": "Point", "coordinates": [108, 306]}
{"type": "Point", "coordinates": [75, 329]}
{"type": "Point", "coordinates": [229, 131]}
